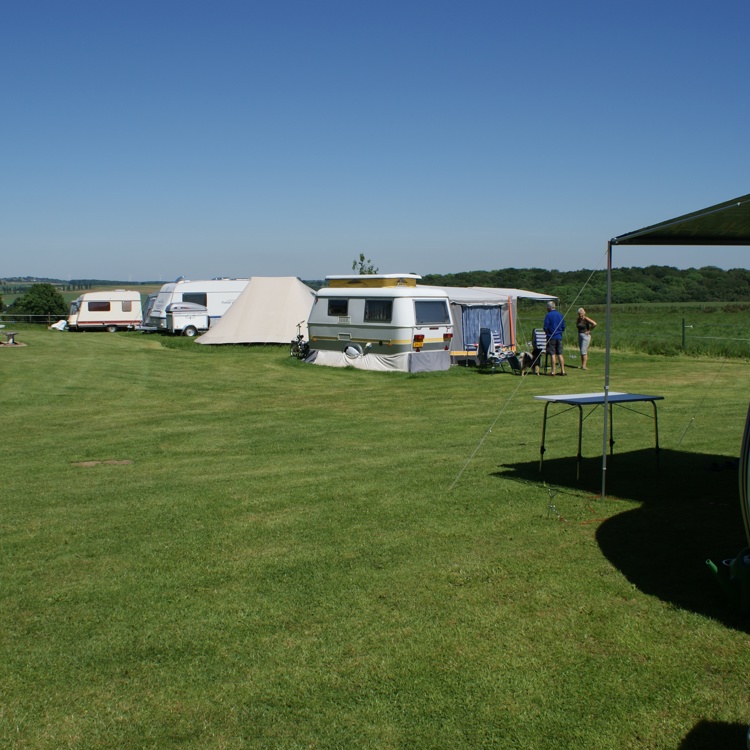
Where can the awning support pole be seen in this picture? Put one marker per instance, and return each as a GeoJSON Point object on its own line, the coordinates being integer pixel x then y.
{"type": "Point", "coordinates": [606, 370]}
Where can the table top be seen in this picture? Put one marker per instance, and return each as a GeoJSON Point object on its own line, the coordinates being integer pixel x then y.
{"type": "Point", "coordinates": [615, 397]}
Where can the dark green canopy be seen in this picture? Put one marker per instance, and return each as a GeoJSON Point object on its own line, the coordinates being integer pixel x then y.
{"type": "Point", "coordinates": [723, 224]}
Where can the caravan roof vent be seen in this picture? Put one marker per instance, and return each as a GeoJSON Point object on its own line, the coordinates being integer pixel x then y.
{"type": "Point", "coordinates": [185, 307]}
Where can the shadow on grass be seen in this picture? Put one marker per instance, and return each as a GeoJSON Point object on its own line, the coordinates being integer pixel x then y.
{"type": "Point", "coordinates": [689, 511]}
{"type": "Point", "coordinates": [709, 735]}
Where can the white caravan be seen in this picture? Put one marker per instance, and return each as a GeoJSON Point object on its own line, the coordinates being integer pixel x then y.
{"type": "Point", "coordinates": [215, 296]}
{"type": "Point", "coordinates": [110, 310]}
{"type": "Point", "coordinates": [381, 322]}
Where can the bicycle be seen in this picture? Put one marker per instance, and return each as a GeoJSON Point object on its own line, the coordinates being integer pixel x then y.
{"type": "Point", "coordinates": [299, 348]}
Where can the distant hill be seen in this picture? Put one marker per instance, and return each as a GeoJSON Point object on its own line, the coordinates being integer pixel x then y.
{"type": "Point", "coordinates": [19, 284]}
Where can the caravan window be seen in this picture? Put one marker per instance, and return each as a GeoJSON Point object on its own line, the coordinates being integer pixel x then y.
{"type": "Point", "coordinates": [98, 306]}
{"type": "Point", "coordinates": [432, 312]}
{"type": "Point", "coordinates": [378, 310]}
{"type": "Point", "coordinates": [197, 298]}
{"type": "Point", "coordinates": [338, 308]}
{"type": "Point", "coordinates": [127, 305]}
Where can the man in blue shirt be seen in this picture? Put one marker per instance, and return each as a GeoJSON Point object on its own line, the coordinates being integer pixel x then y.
{"type": "Point", "coordinates": [554, 325]}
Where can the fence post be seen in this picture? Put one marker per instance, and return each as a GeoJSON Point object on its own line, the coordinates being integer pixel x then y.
{"type": "Point", "coordinates": [683, 334]}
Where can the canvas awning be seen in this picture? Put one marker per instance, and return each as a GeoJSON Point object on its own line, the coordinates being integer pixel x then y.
{"type": "Point", "coordinates": [484, 295]}
{"type": "Point", "coordinates": [477, 307]}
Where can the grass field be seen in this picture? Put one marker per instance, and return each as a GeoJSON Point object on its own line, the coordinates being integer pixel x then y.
{"type": "Point", "coordinates": [226, 548]}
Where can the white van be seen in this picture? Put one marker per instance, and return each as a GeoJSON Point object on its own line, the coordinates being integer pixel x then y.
{"type": "Point", "coordinates": [385, 319]}
{"type": "Point", "coordinates": [212, 297]}
{"type": "Point", "coordinates": [111, 310]}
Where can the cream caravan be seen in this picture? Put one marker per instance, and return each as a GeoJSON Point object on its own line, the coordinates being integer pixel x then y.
{"type": "Point", "coordinates": [111, 311]}
{"type": "Point", "coordinates": [381, 322]}
{"type": "Point", "coordinates": [211, 298]}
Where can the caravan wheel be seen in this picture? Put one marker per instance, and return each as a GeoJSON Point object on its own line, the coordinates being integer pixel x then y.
{"type": "Point", "coordinates": [190, 331]}
{"type": "Point", "coordinates": [111, 329]}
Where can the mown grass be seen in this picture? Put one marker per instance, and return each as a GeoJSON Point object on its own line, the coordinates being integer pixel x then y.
{"type": "Point", "coordinates": [298, 556]}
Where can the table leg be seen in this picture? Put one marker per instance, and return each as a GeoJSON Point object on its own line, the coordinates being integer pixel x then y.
{"type": "Point", "coordinates": [579, 457]}
{"type": "Point", "coordinates": [544, 432]}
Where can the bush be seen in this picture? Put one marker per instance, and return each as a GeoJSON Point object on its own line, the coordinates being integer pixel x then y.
{"type": "Point", "coordinates": [41, 299]}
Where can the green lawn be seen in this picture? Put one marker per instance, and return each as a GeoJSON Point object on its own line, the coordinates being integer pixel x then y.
{"type": "Point", "coordinates": [227, 548]}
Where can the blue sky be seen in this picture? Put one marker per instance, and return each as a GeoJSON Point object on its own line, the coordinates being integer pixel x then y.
{"type": "Point", "coordinates": [150, 140]}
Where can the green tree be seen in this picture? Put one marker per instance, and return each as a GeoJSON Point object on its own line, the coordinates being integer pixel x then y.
{"type": "Point", "coordinates": [364, 265]}
{"type": "Point", "coordinates": [41, 299]}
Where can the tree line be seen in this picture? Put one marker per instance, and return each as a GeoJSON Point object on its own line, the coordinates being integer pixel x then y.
{"type": "Point", "coordinates": [629, 285]}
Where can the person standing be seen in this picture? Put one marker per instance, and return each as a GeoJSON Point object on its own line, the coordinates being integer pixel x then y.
{"type": "Point", "coordinates": [554, 325]}
{"type": "Point", "coordinates": [584, 325]}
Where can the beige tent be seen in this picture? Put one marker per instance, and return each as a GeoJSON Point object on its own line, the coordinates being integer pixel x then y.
{"type": "Point", "coordinates": [267, 312]}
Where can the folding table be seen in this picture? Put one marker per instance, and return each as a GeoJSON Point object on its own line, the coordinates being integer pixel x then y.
{"type": "Point", "coordinates": [594, 400]}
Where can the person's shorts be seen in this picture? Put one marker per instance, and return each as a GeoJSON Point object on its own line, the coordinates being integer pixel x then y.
{"type": "Point", "coordinates": [584, 339]}
{"type": "Point", "coordinates": [554, 346]}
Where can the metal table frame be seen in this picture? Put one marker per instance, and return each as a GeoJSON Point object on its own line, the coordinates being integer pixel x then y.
{"type": "Point", "coordinates": [594, 400]}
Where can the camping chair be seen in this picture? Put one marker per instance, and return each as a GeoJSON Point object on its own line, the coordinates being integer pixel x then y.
{"type": "Point", "coordinates": [497, 342]}
{"type": "Point", "coordinates": [539, 343]}
{"type": "Point", "coordinates": [489, 349]}
{"type": "Point", "coordinates": [491, 352]}
{"type": "Point", "coordinates": [485, 348]}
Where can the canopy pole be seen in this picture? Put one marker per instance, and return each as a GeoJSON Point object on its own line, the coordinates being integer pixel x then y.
{"type": "Point", "coordinates": [606, 370]}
